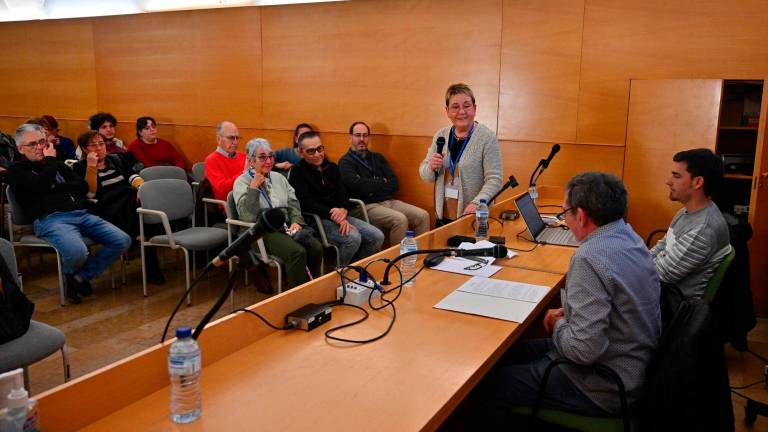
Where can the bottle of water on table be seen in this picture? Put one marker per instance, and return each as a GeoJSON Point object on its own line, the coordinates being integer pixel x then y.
{"type": "Point", "coordinates": [481, 219]}
{"type": "Point", "coordinates": [408, 264]}
{"type": "Point", "coordinates": [184, 371]}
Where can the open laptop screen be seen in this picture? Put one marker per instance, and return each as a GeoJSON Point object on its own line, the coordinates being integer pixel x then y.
{"type": "Point", "coordinates": [530, 214]}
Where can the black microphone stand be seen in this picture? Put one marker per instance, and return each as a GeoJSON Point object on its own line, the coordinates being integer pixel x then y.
{"type": "Point", "coordinates": [535, 176]}
{"type": "Point", "coordinates": [245, 261]}
{"type": "Point", "coordinates": [511, 183]}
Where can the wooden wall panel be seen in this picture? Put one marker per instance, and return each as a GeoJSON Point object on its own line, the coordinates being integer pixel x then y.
{"type": "Point", "coordinates": [659, 39]}
{"type": "Point", "coordinates": [387, 62]}
{"type": "Point", "coordinates": [665, 116]}
{"type": "Point", "coordinates": [520, 158]}
{"type": "Point", "coordinates": [540, 56]}
{"type": "Point", "coordinates": [197, 67]}
{"type": "Point", "coordinates": [47, 68]}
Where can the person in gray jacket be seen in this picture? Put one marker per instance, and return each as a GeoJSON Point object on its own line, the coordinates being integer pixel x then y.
{"type": "Point", "coordinates": [259, 188]}
{"type": "Point", "coordinates": [469, 167]}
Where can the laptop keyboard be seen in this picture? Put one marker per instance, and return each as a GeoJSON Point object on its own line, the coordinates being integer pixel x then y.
{"type": "Point", "coordinates": [558, 236]}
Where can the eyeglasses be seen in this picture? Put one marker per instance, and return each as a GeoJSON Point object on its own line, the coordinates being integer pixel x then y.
{"type": "Point", "coordinates": [312, 151]}
{"type": "Point", "coordinates": [233, 137]}
{"type": "Point", "coordinates": [40, 143]}
{"type": "Point", "coordinates": [96, 144]}
{"type": "Point", "coordinates": [361, 135]}
{"type": "Point", "coordinates": [263, 158]}
{"type": "Point", "coordinates": [455, 109]}
{"type": "Point", "coordinates": [561, 216]}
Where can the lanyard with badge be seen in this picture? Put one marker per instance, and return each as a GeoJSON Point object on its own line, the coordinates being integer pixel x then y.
{"type": "Point", "coordinates": [451, 188]}
{"type": "Point", "coordinates": [263, 193]}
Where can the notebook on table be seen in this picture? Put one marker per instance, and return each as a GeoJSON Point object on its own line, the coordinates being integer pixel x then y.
{"type": "Point", "coordinates": [540, 232]}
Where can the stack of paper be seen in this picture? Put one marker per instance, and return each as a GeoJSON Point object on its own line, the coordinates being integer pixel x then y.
{"type": "Point", "coordinates": [507, 300]}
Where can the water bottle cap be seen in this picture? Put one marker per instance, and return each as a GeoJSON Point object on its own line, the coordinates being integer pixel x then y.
{"type": "Point", "coordinates": [410, 233]}
{"type": "Point", "coordinates": [483, 201]}
{"type": "Point", "coordinates": [183, 332]}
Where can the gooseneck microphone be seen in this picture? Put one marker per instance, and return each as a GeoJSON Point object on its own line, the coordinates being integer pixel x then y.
{"type": "Point", "coordinates": [511, 183]}
{"type": "Point", "coordinates": [497, 251]}
{"type": "Point", "coordinates": [440, 144]}
{"type": "Point", "coordinates": [271, 220]}
{"type": "Point", "coordinates": [543, 164]}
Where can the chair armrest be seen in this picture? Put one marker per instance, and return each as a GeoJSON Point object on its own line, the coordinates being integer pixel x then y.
{"type": "Point", "coordinates": [362, 206]}
{"type": "Point", "coordinates": [319, 225]}
{"type": "Point", "coordinates": [163, 219]}
{"type": "Point", "coordinates": [211, 201]}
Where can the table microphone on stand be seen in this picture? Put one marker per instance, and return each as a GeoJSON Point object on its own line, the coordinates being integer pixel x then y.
{"type": "Point", "coordinates": [543, 164]}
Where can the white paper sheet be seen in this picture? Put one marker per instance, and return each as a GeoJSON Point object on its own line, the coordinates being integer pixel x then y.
{"type": "Point", "coordinates": [506, 300]}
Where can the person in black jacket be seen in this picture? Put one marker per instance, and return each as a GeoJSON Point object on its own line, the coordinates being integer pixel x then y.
{"type": "Point", "coordinates": [52, 195]}
{"type": "Point", "coordinates": [319, 189]}
{"type": "Point", "coordinates": [368, 177]}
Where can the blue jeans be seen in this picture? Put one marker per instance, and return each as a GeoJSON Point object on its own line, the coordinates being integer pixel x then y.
{"type": "Point", "coordinates": [65, 231]}
{"type": "Point", "coordinates": [359, 243]}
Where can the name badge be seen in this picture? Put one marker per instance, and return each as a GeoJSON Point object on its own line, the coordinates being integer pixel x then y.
{"type": "Point", "coordinates": [451, 191]}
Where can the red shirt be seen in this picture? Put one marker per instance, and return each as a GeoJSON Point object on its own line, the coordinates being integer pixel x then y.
{"type": "Point", "coordinates": [222, 172]}
{"type": "Point", "coordinates": [160, 153]}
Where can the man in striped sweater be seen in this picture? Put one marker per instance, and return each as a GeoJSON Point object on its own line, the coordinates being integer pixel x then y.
{"type": "Point", "coordinates": [697, 239]}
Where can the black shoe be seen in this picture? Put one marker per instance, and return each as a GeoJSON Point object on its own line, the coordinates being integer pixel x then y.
{"type": "Point", "coordinates": [70, 291]}
{"type": "Point", "coordinates": [76, 287]}
{"type": "Point", "coordinates": [84, 288]}
{"type": "Point", "coordinates": [155, 277]}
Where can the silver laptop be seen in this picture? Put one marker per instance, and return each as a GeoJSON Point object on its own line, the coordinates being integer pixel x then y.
{"type": "Point", "coordinates": [540, 232]}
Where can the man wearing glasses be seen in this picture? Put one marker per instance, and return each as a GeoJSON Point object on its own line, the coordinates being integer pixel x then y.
{"type": "Point", "coordinates": [610, 315]}
{"type": "Point", "coordinates": [52, 195]}
{"type": "Point", "coordinates": [225, 164]}
{"type": "Point", "coordinates": [319, 188]}
{"type": "Point", "coordinates": [368, 176]}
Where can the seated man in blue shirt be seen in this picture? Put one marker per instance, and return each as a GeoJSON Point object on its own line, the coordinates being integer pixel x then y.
{"type": "Point", "coordinates": [52, 195]}
{"type": "Point", "coordinates": [610, 315]}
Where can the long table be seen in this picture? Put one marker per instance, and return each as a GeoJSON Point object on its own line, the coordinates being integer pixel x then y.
{"type": "Point", "coordinates": [257, 378]}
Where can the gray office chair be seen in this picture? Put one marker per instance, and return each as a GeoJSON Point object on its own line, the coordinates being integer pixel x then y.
{"type": "Point", "coordinates": [323, 237]}
{"type": "Point", "coordinates": [166, 200]}
{"type": "Point", "coordinates": [235, 225]}
{"type": "Point", "coordinates": [198, 171]}
{"type": "Point", "coordinates": [39, 342]}
{"type": "Point", "coordinates": [163, 172]}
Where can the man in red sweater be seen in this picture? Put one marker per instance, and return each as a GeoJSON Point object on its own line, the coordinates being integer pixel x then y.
{"type": "Point", "coordinates": [225, 164]}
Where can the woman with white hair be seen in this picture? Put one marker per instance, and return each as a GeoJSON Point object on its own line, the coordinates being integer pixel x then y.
{"type": "Point", "coordinates": [258, 189]}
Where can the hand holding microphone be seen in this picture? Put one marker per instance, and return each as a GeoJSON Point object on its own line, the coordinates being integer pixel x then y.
{"type": "Point", "coordinates": [436, 161]}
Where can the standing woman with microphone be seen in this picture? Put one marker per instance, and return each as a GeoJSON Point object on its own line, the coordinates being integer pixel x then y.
{"type": "Point", "coordinates": [464, 159]}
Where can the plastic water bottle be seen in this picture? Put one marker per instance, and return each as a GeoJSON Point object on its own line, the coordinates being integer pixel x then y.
{"type": "Point", "coordinates": [481, 218]}
{"type": "Point", "coordinates": [184, 370]}
{"type": "Point", "coordinates": [408, 264]}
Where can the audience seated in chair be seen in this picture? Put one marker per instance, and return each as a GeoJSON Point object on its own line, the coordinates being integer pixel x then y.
{"type": "Point", "coordinates": [318, 186]}
{"type": "Point", "coordinates": [225, 164]}
{"type": "Point", "coordinates": [106, 124]}
{"type": "Point", "coordinates": [287, 157]}
{"type": "Point", "coordinates": [367, 176]}
{"type": "Point", "coordinates": [610, 315]}
{"type": "Point", "coordinates": [54, 196]}
{"type": "Point", "coordinates": [65, 145]}
{"type": "Point", "coordinates": [151, 150]}
{"type": "Point", "coordinates": [113, 186]}
{"type": "Point", "coordinates": [260, 188]}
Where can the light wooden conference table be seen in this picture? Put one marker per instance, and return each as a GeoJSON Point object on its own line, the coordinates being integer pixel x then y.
{"type": "Point", "coordinates": [256, 378]}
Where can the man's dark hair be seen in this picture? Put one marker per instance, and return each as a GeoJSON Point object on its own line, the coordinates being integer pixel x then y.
{"type": "Point", "coordinates": [84, 139]}
{"type": "Point", "coordinates": [142, 122]}
{"type": "Point", "coordinates": [95, 121]}
{"type": "Point", "coordinates": [703, 163]}
{"type": "Point", "coordinates": [352, 127]}
{"type": "Point", "coordinates": [305, 136]}
{"type": "Point", "coordinates": [296, 131]}
{"type": "Point", "coordinates": [601, 195]}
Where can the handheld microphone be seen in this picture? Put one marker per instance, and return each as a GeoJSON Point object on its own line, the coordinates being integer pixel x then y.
{"type": "Point", "coordinates": [552, 153]}
{"type": "Point", "coordinates": [271, 220]}
{"type": "Point", "coordinates": [440, 144]}
{"type": "Point", "coordinates": [497, 251]}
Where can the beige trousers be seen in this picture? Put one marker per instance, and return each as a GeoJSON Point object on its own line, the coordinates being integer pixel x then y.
{"type": "Point", "coordinates": [396, 217]}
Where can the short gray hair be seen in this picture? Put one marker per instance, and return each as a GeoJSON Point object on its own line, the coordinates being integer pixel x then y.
{"type": "Point", "coordinates": [253, 146]}
{"type": "Point", "coordinates": [220, 126]}
{"type": "Point", "coordinates": [601, 195]}
{"type": "Point", "coordinates": [27, 127]}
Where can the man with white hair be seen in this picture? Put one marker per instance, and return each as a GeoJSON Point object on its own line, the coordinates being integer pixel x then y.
{"type": "Point", "coordinates": [225, 164]}
{"type": "Point", "coordinates": [52, 195]}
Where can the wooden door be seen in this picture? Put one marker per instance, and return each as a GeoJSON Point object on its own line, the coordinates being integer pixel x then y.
{"type": "Point", "coordinates": [758, 215]}
{"type": "Point", "coordinates": [665, 117]}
